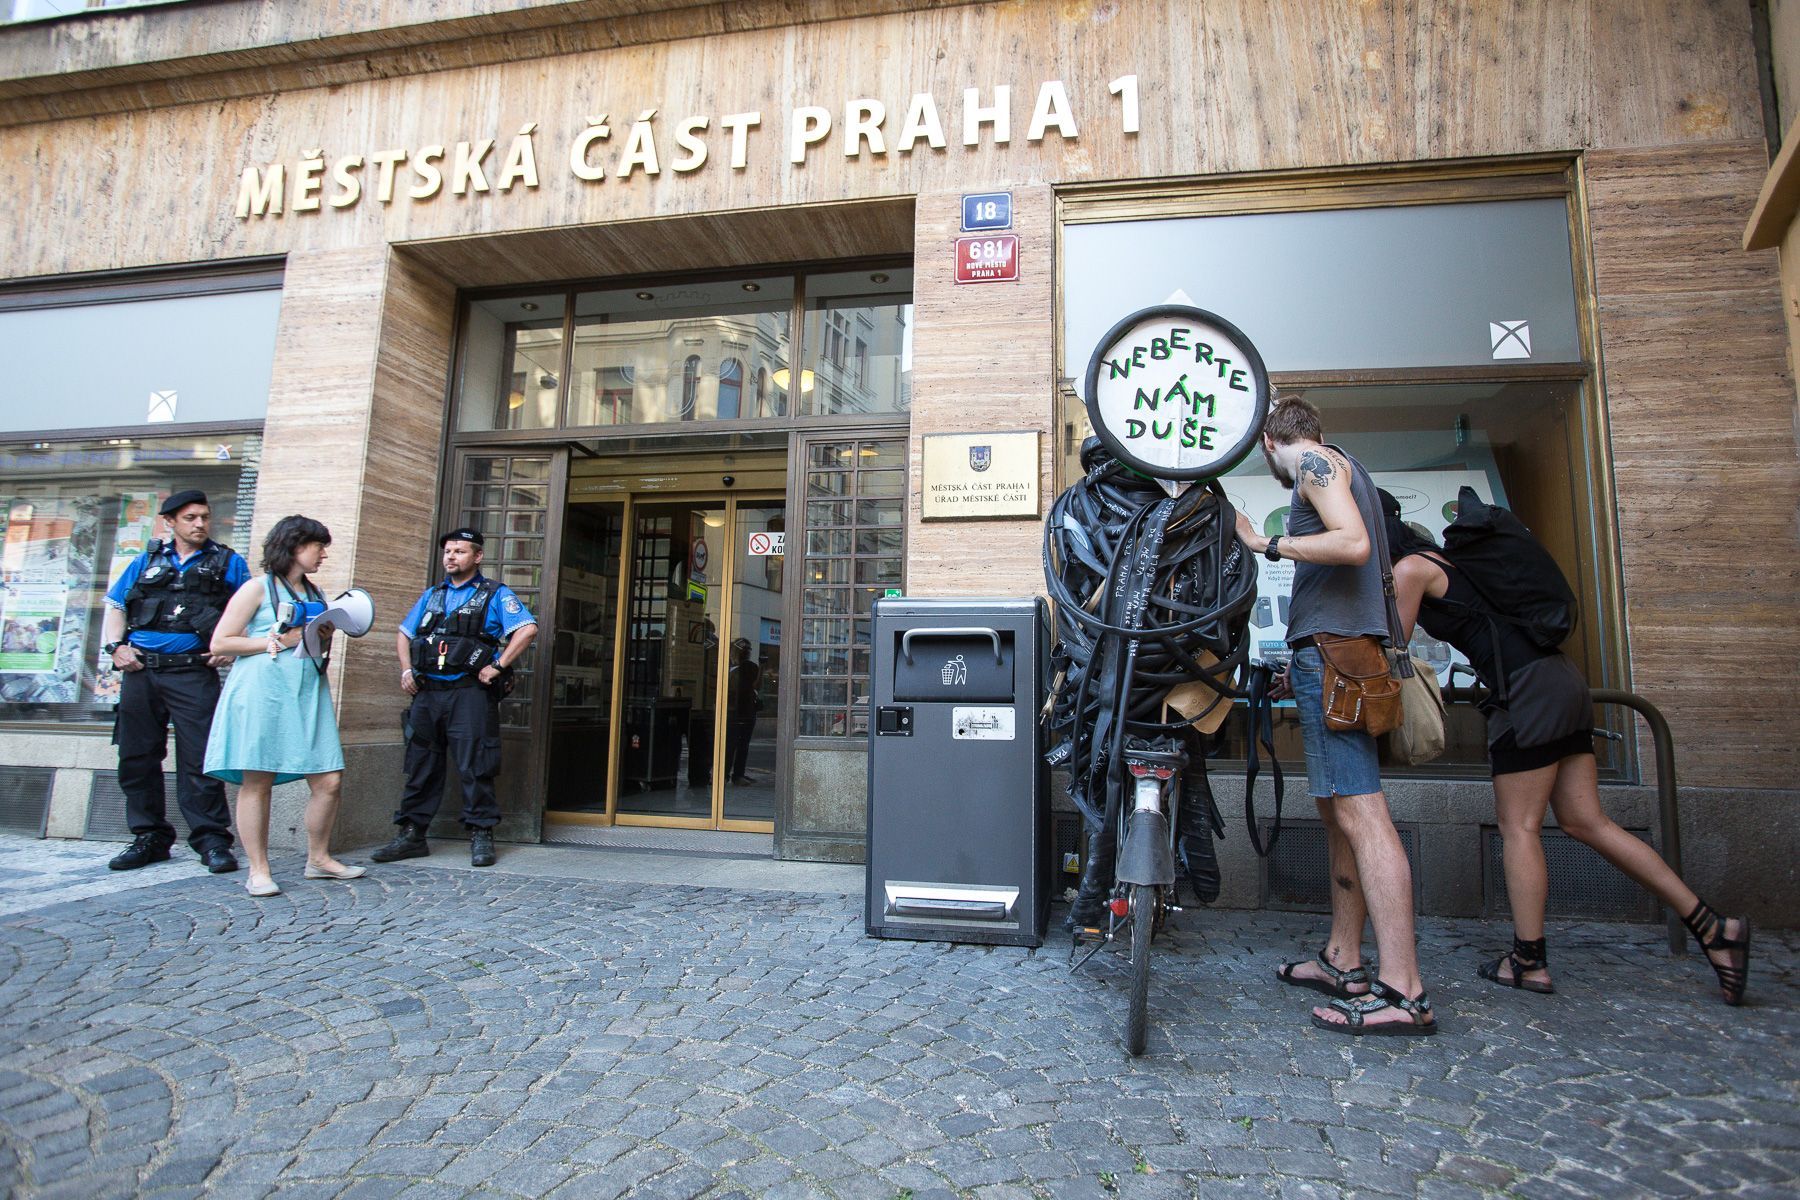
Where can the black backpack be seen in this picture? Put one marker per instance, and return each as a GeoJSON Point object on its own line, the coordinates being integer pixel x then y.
{"type": "Point", "coordinates": [1516, 577]}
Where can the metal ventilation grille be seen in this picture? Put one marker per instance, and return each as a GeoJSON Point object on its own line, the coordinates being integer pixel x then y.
{"type": "Point", "coordinates": [25, 799]}
{"type": "Point", "coordinates": [1582, 884]}
{"type": "Point", "coordinates": [1297, 874]}
{"type": "Point", "coordinates": [106, 820]}
{"type": "Point", "coordinates": [1065, 840]}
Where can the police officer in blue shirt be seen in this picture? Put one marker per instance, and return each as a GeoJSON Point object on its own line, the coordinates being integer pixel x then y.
{"type": "Point", "coordinates": [457, 648]}
{"type": "Point", "coordinates": [159, 622]}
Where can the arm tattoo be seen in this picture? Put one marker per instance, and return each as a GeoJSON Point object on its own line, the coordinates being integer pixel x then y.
{"type": "Point", "coordinates": [1318, 467]}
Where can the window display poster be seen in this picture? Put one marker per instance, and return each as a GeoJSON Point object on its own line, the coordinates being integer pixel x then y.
{"type": "Point", "coordinates": [1427, 502]}
{"type": "Point", "coordinates": [46, 565]}
{"type": "Point", "coordinates": [136, 527]}
{"type": "Point", "coordinates": [30, 624]}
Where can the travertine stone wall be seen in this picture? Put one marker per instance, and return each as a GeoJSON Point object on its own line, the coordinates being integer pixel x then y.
{"type": "Point", "coordinates": [983, 360]}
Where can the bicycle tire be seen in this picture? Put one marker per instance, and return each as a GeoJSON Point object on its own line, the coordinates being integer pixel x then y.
{"type": "Point", "coordinates": [1143, 926]}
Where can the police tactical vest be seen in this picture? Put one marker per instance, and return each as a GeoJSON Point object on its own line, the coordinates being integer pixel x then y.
{"type": "Point", "coordinates": [166, 599]}
{"type": "Point", "coordinates": [457, 642]}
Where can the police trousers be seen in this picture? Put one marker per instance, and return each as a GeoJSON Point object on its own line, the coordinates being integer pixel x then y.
{"type": "Point", "coordinates": [462, 724]}
{"type": "Point", "coordinates": [149, 702]}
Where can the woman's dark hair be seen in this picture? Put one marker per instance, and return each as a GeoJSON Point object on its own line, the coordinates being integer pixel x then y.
{"type": "Point", "coordinates": [1403, 539]}
{"type": "Point", "coordinates": [289, 534]}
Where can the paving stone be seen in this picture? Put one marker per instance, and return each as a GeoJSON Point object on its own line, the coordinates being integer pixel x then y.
{"type": "Point", "coordinates": [661, 1040]}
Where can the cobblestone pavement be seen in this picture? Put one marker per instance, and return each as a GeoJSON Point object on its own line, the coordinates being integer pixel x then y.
{"type": "Point", "coordinates": [431, 1032]}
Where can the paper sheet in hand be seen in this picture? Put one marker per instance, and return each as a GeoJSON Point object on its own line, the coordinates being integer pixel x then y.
{"type": "Point", "coordinates": [353, 612]}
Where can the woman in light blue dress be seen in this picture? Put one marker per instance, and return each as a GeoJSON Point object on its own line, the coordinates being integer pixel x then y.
{"type": "Point", "coordinates": [275, 721]}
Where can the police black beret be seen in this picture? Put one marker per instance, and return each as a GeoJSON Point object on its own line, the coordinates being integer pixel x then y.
{"type": "Point", "coordinates": [465, 534]}
{"type": "Point", "coordinates": [181, 500]}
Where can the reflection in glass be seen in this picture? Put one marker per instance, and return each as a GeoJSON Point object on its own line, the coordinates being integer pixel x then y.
{"type": "Point", "coordinates": [680, 353]}
{"type": "Point", "coordinates": [511, 355]}
{"type": "Point", "coordinates": [75, 514]}
{"type": "Point", "coordinates": [858, 340]}
{"type": "Point", "coordinates": [586, 621]}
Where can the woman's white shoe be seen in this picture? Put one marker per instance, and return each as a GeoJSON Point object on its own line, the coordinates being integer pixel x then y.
{"type": "Point", "coordinates": [343, 872]}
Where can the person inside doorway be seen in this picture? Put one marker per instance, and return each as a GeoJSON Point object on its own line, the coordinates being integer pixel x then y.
{"type": "Point", "coordinates": [744, 701]}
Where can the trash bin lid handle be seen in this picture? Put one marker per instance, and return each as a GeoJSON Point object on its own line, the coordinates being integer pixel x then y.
{"type": "Point", "coordinates": [968, 631]}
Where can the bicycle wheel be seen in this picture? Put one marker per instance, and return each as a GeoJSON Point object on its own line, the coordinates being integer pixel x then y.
{"type": "Point", "coordinates": [1143, 925]}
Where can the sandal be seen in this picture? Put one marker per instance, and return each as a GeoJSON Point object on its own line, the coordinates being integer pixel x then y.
{"type": "Point", "coordinates": [1708, 928]}
{"type": "Point", "coordinates": [1336, 983]}
{"type": "Point", "coordinates": [1525, 956]}
{"type": "Point", "coordinates": [1358, 1010]}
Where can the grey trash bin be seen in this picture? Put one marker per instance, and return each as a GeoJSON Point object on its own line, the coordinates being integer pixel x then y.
{"type": "Point", "coordinates": [959, 802]}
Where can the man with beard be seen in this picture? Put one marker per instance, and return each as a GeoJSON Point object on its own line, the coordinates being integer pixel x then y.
{"type": "Point", "coordinates": [1338, 590]}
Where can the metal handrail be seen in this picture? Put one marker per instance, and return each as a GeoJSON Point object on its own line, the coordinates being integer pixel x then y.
{"type": "Point", "coordinates": [1667, 802]}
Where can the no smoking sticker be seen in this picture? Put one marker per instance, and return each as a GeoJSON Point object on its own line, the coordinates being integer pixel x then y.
{"type": "Point", "coordinates": [764, 544]}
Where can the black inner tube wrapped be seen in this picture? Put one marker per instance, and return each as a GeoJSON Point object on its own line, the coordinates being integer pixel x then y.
{"type": "Point", "coordinates": [1151, 591]}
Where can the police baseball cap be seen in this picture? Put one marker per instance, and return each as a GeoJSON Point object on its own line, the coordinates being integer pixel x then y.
{"type": "Point", "coordinates": [181, 500]}
{"type": "Point", "coordinates": [464, 534]}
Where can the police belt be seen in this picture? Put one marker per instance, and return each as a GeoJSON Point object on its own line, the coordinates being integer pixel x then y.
{"type": "Point", "coordinates": [428, 684]}
{"type": "Point", "coordinates": [172, 662]}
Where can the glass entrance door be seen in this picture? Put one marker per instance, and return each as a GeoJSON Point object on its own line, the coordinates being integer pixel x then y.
{"type": "Point", "coordinates": [668, 654]}
{"type": "Point", "coordinates": [674, 614]}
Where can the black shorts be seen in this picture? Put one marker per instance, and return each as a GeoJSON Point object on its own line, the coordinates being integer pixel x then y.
{"type": "Point", "coordinates": [1506, 757]}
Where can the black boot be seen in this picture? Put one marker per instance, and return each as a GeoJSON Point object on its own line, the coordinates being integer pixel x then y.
{"type": "Point", "coordinates": [1089, 908]}
{"type": "Point", "coordinates": [481, 847]}
{"type": "Point", "coordinates": [408, 843]}
{"type": "Point", "coordinates": [1195, 826]}
{"type": "Point", "coordinates": [145, 848]}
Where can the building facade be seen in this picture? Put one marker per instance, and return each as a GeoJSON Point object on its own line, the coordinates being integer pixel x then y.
{"type": "Point", "coordinates": [669, 301]}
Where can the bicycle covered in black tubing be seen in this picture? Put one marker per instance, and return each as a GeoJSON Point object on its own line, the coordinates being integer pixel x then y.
{"type": "Point", "coordinates": [1153, 593]}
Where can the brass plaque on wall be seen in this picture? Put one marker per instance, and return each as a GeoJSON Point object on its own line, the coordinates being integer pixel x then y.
{"type": "Point", "coordinates": [979, 476]}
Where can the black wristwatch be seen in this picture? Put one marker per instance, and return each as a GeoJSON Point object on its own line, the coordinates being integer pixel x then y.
{"type": "Point", "coordinates": [1270, 552]}
{"type": "Point", "coordinates": [112, 648]}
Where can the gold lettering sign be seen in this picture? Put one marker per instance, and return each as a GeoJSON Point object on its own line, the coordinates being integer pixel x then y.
{"type": "Point", "coordinates": [979, 476]}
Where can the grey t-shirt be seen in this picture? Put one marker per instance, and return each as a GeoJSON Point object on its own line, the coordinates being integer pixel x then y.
{"type": "Point", "coordinates": [1344, 600]}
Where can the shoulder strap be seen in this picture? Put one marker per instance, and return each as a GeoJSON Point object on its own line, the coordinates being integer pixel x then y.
{"type": "Point", "coordinates": [1378, 545]}
{"type": "Point", "coordinates": [1261, 728]}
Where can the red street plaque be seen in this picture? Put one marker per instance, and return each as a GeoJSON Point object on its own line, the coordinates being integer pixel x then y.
{"type": "Point", "coordinates": [990, 259]}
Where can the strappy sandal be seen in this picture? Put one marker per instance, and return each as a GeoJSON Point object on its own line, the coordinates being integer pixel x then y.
{"type": "Point", "coordinates": [1708, 928]}
{"type": "Point", "coordinates": [1525, 956]}
{"type": "Point", "coordinates": [1336, 983]}
{"type": "Point", "coordinates": [1358, 1010]}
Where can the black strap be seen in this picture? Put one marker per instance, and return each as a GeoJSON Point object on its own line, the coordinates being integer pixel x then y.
{"type": "Point", "coordinates": [1378, 546]}
{"type": "Point", "coordinates": [1260, 727]}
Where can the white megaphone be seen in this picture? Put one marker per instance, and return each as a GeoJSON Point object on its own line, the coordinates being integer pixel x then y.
{"type": "Point", "coordinates": [352, 611]}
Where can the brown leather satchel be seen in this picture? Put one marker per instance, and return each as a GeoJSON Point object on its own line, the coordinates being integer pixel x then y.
{"type": "Point", "coordinates": [1361, 692]}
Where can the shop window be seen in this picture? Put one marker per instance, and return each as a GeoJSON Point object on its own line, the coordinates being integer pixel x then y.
{"type": "Point", "coordinates": [854, 552]}
{"type": "Point", "coordinates": [660, 337]}
{"type": "Point", "coordinates": [871, 311]}
{"type": "Point", "coordinates": [76, 514]}
{"type": "Point", "coordinates": [1439, 340]}
{"type": "Point", "coordinates": [179, 359]}
{"type": "Point", "coordinates": [508, 375]}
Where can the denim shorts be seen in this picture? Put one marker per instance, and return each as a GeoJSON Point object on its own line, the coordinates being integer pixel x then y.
{"type": "Point", "coordinates": [1337, 764]}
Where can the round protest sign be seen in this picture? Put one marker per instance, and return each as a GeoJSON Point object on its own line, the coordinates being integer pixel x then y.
{"type": "Point", "coordinates": [1177, 393]}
